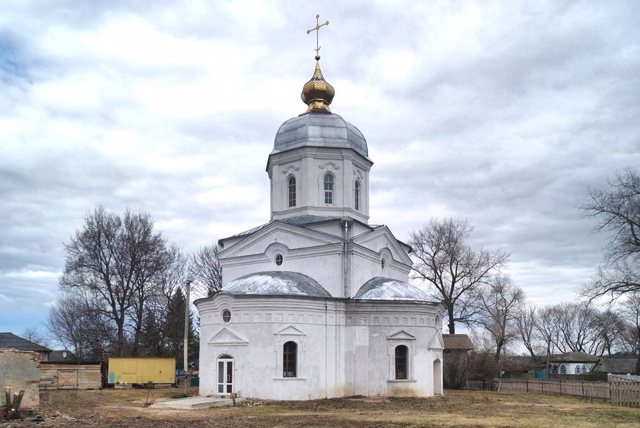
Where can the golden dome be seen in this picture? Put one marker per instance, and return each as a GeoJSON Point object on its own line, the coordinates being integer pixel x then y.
{"type": "Point", "coordinates": [317, 93]}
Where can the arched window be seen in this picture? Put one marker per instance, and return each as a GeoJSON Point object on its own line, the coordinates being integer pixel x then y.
{"type": "Point", "coordinates": [328, 189]}
{"type": "Point", "coordinates": [584, 368]}
{"type": "Point", "coordinates": [291, 184]}
{"type": "Point", "coordinates": [289, 359]}
{"type": "Point", "coordinates": [578, 369]}
{"type": "Point", "coordinates": [563, 369]}
{"type": "Point", "coordinates": [357, 195]}
{"type": "Point", "coordinates": [402, 363]}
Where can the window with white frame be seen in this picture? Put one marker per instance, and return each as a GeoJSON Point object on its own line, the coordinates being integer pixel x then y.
{"type": "Point", "coordinates": [290, 359]}
{"type": "Point", "coordinates": [328, 188]}
{"type": "Point", "coordinates": [402, 362]}
{"type": "Point", "coordinates": [291, 186]}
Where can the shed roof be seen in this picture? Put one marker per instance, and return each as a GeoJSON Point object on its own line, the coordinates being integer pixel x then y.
{"type": "Point", "coordinates": [460, 342]}
{"type": "Point", "coordinates": [11, 341]}
{"type": "Point", "coordinates": [617, 365]}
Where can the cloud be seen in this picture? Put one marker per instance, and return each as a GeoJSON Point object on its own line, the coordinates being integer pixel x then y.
{"type": "Point", "coordinates": [503, 113]}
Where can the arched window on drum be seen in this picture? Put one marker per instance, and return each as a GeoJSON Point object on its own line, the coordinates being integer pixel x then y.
{"type": "Point", "coordinates": [291, 187]}
{"type": "Point", "coordinates": [328, 188]}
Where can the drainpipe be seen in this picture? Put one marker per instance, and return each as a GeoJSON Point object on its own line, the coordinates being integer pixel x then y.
{"type": "Point", "coordinates": [345, 261]}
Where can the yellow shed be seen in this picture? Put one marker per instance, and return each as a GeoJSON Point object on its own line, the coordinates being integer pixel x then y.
{"type": "Point", "coordinates": [142, 370]}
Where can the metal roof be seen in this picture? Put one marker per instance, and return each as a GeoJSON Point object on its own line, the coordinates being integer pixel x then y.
{"type": "Point", "coordinates": [380, 288]}
{"type": "Point", "coordinates": [302, 220]}
{"type": "Point", "coordinates": [275, 283]}
{"type": "Point", "coordinates": [319, 130]}
{"type": "Point", "coordinates": [11, 341]}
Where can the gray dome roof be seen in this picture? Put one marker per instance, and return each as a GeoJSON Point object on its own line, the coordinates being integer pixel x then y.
{"type": "Point", "coordinates": [319, 130]}
{"type": "Point", "coordinates": [276, 283]}
{"type": "Point", "coordinates": [380, 288]}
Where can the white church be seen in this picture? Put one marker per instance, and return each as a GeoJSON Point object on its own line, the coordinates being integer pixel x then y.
{"type": "Point", "coordinates": [316, 302]}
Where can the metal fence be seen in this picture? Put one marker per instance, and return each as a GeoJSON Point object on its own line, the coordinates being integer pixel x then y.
{"type": "Point", "coordinates": [618, 391]}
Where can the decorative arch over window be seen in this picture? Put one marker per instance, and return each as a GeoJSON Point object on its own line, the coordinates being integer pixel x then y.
{"type": "Point", "coordinates": [402, 362]}
{"type": "Point", "coordinates": [291, 186]}
{"type": "Point", "coordinates": [328, 188]}
{"type": "Point", "coordinates": [356, 194]}
{"type": "Point", "coordinates": [290, 359]}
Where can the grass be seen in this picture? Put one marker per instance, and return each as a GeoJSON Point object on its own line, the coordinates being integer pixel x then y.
{"type": "Point", "coordinates": [455, 409]}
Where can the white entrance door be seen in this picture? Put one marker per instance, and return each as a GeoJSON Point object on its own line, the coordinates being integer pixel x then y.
{"type": "Point", "coordinates": [225, 375]}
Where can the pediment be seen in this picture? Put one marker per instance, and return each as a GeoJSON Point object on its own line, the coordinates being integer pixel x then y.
{"type": "Point", "coordinates": [292, 237]}
{"type": "Point", "coordinates": [401, 335]}
{"type": "Point", "coordinates": [227, 337]}
{"type": "Point", "coordinates": [381, 238]}
{"type": "Point", "coordinates": [290, 331]}
{"type": "Point", "coordinates": [437, 342]}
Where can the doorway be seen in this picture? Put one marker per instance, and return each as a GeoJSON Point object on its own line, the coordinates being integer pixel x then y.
{"type": "Point", "coordinates": [225, 374]}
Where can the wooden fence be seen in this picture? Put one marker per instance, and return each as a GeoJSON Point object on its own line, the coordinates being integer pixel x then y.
{"type": "Point", "coordinates": [619, 391]}
{"type": "Point", "coordinates": [70, 376]}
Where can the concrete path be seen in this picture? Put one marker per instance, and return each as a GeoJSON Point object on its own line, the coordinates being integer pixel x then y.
{"type": "Point", "coordinates": [193, 403]}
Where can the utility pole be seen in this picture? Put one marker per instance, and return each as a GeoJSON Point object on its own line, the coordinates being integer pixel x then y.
{"type": "Point", "coordinates": [186, 337]}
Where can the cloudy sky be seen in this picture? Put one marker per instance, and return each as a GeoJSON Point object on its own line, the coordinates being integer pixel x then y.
{"type": "Point", "coordinates": [501, 112]}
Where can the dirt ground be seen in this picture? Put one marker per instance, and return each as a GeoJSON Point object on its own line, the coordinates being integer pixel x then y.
{"type": "Point", "coordinates": [118, 408]}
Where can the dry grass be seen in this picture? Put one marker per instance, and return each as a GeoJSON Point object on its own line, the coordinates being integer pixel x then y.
{"type": "Point", "coordinates": [455, 409]}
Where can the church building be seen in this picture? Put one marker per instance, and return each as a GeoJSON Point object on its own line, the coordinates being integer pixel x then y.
{"type": "Point", "coordinates": [316, 303]}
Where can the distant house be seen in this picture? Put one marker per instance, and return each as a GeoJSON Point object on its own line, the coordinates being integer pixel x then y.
{"type": "Point", "coordinates": [11, 341]}
{"type": "Point", "coordinates": [572, 363]}
{"type": "Point", "coordinates": [617, 365]}
{"type": "Point", "coordinates": [456, 359]}
{"type": "Point", "coordinates": [522, 366]}
{"type": "Point", "coordinates": [63, 356]}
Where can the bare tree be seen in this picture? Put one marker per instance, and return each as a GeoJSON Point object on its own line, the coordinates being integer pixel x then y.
{"type": "Point", "coordinates": [611, 328]}
{"type": "Point", "coordinates": [498, 305]}
{"type": "Point", "coordinates": [76, 323]}
{"type": "Point", "coordinates": [547, 327]}
{"type": "Point", "coordinates": [583, 328]}
{"type": "Point", "coordinates": [116, 259]}
{"type": "Point", "coordinates": [205, 269]}
{"type": "Point", "coordinates": [34, 335]}
{"type": "Point", "coordinates": [525, 323]}
{"type": "Point", "coordinates": [630, 313]}
{"type": "Point", "coordinates": [154, 331]}
{"type": "Point", "coordinates": [444, 259]}
{"type": "Point", "coordinates": [577, 327]}
{"type": "Point", "coordinates": [618, 211]}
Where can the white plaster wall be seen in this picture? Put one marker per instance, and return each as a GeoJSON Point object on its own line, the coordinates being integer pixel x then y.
{"type": "Point", "coordinates": [326, 269]}
{"type": "Point", "coordinates": [372, 357]}
{"type": "Point", "coordinates": [364, 269]}
{"type": "Point", "coordinates": [342, 349]}
{"type": "Point", "coordinates": [315, 325]}
{"type": "Point", "coordinates": [571, 367]}
{"type": "Point", "coordinates": [309, 166]}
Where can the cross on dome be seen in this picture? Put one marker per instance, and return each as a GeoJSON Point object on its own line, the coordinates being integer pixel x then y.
{"type": "Point", "coordinates": [317, 93]}
{"type": "Point", "coordinates": [317, 30]}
